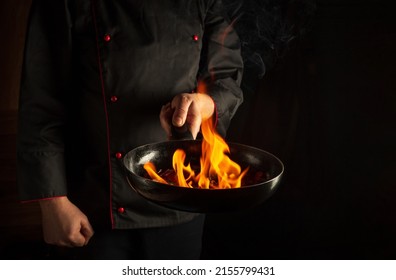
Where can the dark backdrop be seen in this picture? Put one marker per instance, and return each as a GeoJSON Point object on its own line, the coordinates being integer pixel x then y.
{"type": "Point", "coordinates": [328, 110]}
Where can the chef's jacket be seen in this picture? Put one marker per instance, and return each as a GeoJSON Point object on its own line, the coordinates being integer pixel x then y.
{"type": "Point", "coordinates": [94, 78]}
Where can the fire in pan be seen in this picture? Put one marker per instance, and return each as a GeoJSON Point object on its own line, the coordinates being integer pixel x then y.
{"type": "Point", "coordinates": [208, 176]}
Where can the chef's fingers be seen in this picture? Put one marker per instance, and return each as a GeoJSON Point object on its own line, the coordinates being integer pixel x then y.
{"type": "Point", "coordinates": [180, 104]}
{"type": "Point", "coordinates": [81, 234]}
{"type": "Point", "coordinates": [86, 230]}
{"type": "Point", "coordinates": [74, 238]}
{"type": "Point", "coordinates": [78, 240]}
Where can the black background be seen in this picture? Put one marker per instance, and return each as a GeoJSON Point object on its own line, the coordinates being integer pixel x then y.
{"type": "Point", "coordinates": [328, 111]}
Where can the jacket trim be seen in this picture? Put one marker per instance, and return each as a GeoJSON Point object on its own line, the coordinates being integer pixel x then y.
{"type": "Point", "coordinates": [41, 199]}
{"type": "Point", "coordinates": [93, 6]}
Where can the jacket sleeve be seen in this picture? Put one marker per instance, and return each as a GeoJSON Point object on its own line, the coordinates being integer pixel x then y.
{"type": "Point", "coordinates": [222, 65]}
{"type": "Point", "coordinates": [45, 83]}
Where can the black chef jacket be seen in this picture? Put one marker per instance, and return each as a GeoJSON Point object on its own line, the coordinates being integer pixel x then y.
{"type": "Point", "coordinates": [94, 78]}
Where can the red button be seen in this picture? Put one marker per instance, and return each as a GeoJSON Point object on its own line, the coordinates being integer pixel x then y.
{"type": "Point", "coordinates": [113, 98]}
{"type": "Point", "coordinates": [107, 37]}
{"type": "Point", "coordinates": [121, 210]}
{"type": "Point", "coordinates": [195, 38]}
{"type": "Point", "coordinates": [118, 155]}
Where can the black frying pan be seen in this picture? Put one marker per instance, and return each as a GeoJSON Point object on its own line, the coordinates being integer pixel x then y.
{"type": "Point", "coordinates": [202, 200]}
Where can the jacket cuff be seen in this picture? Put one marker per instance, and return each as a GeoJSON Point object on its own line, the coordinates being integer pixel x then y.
{"type": "Point", "coordinates": [40, 175]}
{"type": "Point", "coordinates": [227, 98]}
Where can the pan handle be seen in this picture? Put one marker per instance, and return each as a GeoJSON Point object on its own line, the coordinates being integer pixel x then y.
{"type": "Point", "coordinates": [181, 133]}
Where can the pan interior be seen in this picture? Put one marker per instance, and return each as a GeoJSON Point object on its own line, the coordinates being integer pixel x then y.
{"type": "Point", "coordinates": [160, 154]}
{"type": "Point", "coordinates": [201, 200]}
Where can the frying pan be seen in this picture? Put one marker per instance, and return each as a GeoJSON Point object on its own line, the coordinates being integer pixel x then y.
{"type": "Point", "coordinates": [202, 200]}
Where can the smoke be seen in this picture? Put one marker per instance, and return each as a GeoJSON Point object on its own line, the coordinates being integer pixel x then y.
{"type": "Point", "coordinates": [267, 28]}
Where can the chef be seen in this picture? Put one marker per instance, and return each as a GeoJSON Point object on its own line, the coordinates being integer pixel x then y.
{"type": "Point", "coordinates": [99, 78]}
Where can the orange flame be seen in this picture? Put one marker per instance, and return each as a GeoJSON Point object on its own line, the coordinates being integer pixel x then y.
{"type": "Point", "coordinates": [178, 165]}
{"type": "Point", "coordinates": [152, 171]}
{"type": "Point", "coordinates": [215, 162]}
{"type": "Point", "coordinates": [217, 169]}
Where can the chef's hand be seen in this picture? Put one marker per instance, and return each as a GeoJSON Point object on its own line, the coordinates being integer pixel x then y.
{"type": "Point", "coordinates": [64, 224]}
{"type": "Point", "coordinates": [189, 108]}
